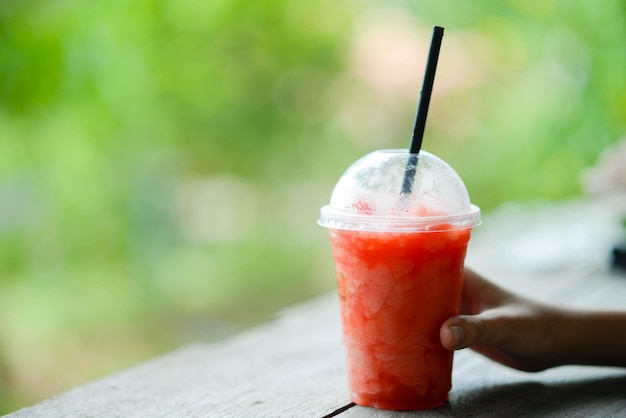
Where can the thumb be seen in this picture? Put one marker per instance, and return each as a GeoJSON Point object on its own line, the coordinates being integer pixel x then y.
{"type": "Point", "coordinates": [465, 331]}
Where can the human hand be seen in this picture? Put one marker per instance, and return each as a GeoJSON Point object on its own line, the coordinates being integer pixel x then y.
{"type": "Point", "coordinates": [505, 327]}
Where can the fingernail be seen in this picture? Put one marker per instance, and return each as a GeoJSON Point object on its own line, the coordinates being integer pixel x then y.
{"type": "Point", "coordinates": [457, 334]}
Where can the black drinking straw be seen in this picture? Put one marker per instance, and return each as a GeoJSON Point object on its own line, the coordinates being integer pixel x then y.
{"type": "Point", "coordinates": [422, 110]}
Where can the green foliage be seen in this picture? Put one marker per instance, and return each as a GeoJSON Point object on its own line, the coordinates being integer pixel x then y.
{"type": "Point", "coordinates": [162, 162]}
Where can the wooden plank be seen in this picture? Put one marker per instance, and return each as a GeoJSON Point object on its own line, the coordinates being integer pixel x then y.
{"type": "Point", "coordinates": [486, 389]}
{"type": "Point", "coordinates": [557, 252]}
{"type": "Point", "coordinates": [292, 367]}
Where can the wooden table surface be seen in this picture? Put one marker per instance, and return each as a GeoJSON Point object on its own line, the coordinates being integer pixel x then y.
{"type": "Point", "coordinates": [294, 366]}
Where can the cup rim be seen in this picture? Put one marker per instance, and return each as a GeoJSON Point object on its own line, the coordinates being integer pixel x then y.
{"type": "Point", "coordinates": [334, 218]}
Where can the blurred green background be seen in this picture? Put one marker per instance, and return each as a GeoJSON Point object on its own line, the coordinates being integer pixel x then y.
{"type": "Point", "coordinates": [162, 162]}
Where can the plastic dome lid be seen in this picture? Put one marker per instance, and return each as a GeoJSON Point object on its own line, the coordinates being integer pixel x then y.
{"type": "Point", "coordinates": [369, 197]}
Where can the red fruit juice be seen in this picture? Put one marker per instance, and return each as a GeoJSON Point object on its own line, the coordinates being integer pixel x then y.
{"type": "Point", "coordinates": [395, 290]}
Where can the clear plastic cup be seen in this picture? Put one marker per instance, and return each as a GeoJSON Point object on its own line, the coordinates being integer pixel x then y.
{"type": "Point", "coordinates": [399, 258]}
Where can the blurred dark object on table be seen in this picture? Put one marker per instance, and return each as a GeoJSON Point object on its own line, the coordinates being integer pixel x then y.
{"type": "Point", "coordinates": [618, 260]}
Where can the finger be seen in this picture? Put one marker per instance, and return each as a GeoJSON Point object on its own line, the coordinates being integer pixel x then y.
{"type": "Point", "coordinates": [451, 336]}
{"type": "Point", "coordinates": [465, 331]}
{"type": "Point", "coordinates": [480, 294]}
